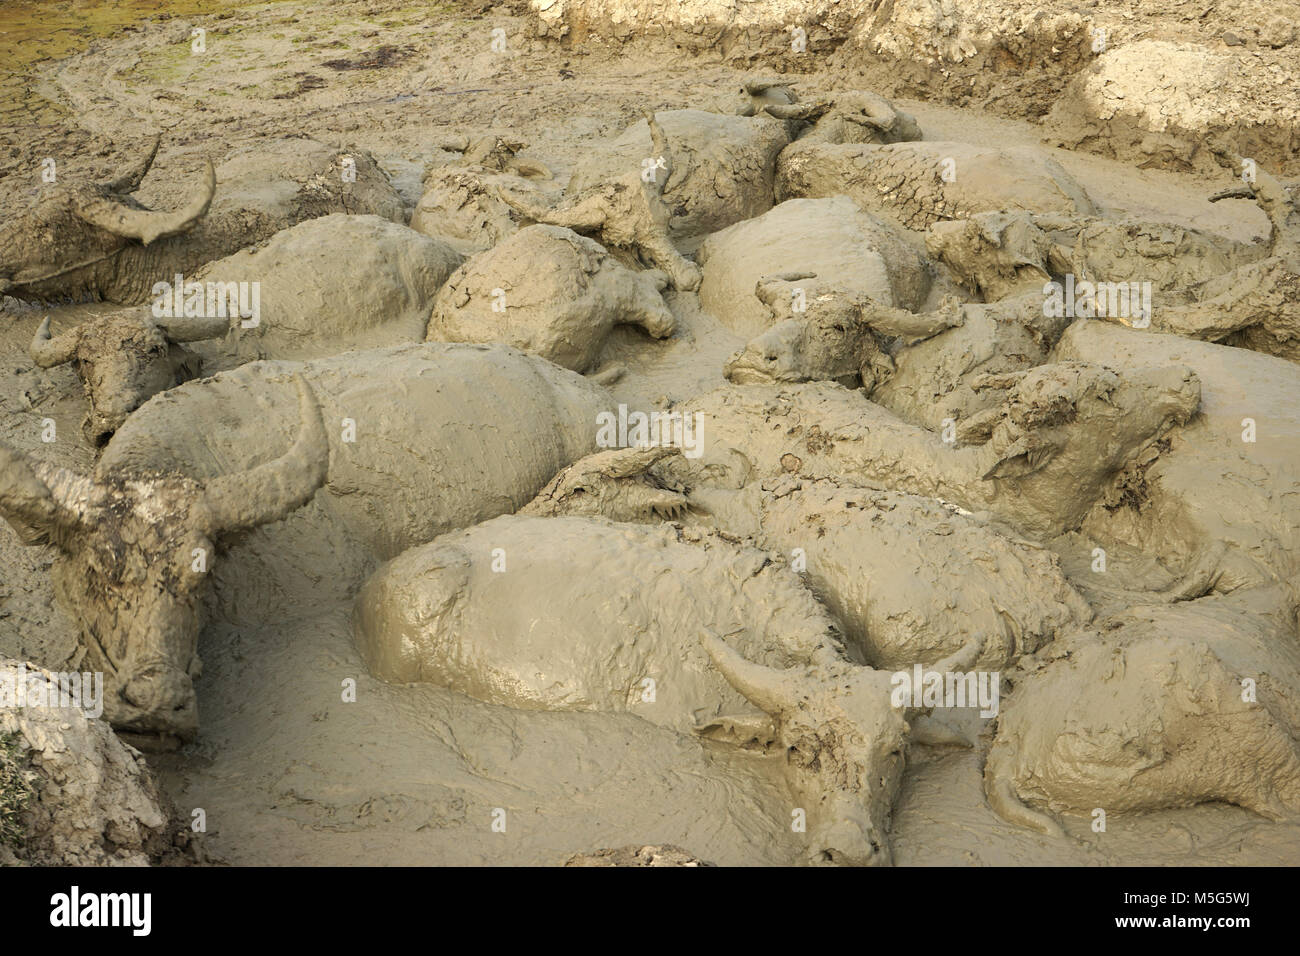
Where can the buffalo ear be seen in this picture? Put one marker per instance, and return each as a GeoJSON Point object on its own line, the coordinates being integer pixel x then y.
{"type": "Point", "coordinates": [1058, 259]}
{"type": "Point", "coordinates": [992, 229]}
{"type": "Point", "coordinates": [186, 365]}
{"type": "Point", "coordinates": [743, 730]}
{"type": "Point", "coordinates": [1020, 460]}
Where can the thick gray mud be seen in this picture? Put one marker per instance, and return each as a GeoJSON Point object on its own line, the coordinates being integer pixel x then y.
{"type": "Point", "coordinates": [304, 756]}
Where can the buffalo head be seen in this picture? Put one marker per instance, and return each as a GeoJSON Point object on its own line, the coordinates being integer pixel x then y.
{"type": "Point", "coordinates": [75, 227]}
{"type": "Point", "coordinates": [135, 555]}
{"type": "Point", "coordinates": [123, 360]}
{"type": "Point", "coordinates": [844, 743]}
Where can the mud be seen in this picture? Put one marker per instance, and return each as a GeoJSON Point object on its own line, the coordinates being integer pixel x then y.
{"type": "Point", "coordinates": [1105, 516]}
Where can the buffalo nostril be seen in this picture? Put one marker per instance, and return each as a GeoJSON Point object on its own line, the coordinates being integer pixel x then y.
{"type": "Point", "coordinates": [160, 690]}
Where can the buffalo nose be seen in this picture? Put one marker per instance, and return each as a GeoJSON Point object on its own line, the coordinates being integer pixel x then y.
{"type": "Point", "coordinates": [160, 689]}
{"type": "Point", "coordinates": [100, 429]}
{"type": "Point", "coordinates": [849, 843]}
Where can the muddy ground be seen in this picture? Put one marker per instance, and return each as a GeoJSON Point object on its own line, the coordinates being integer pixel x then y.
{"type": "Point", "coordinates": [287, 772]}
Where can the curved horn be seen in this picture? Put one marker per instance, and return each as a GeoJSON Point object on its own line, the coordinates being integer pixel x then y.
{"type": "Point", "coordinates": [1265, 188]}
{"type": "Point", "coordinates": [796, 111]}
{"type": "Point", "coordinates": [1236, 192]}
{"type": "Point", "coordinates": [659, 146]}
{"type": "Point", "coordinates": [25, 502]}
{"type": "Point", "coordinates": [130, 181]}
{"type": "Point", "coordinates": [531, 207]}
{"type": "Point", "coordinates": [36, 499]}
{"type": "Point", "coordinates": [989, 380]}
{"type": "Point", "coordinates": [1271, 197]}
{"type": "Point", "coordinates": [115, 216]}
{"type": "Point", "coordinates": [631, 462]}
{"type": "Point", "coordinates": [272, 490]}
{"type": "Point", "coordinates": [69, 491]}
{"type": "Point", "coordinates": [771, 690]}
{"type": "Point", "coordinates": [48, 352]}
{"type": "Point", "coordinates": [878, 121]}
{"type": "Point", "coordinates": [180, 329]}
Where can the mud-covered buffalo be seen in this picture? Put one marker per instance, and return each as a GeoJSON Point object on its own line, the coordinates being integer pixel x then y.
{"type": "Point", "coordinates": [650, 433]}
